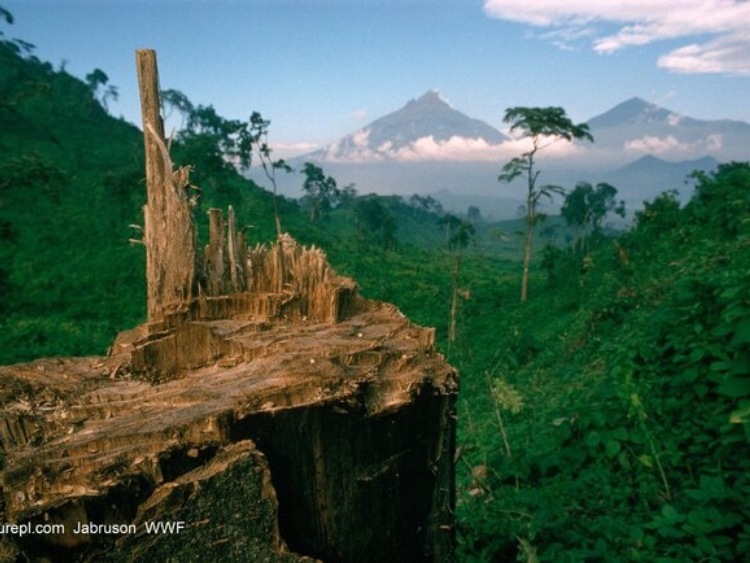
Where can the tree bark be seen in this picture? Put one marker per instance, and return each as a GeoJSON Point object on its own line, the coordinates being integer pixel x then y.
{"type": "Point", "coordinates": [527, 249]}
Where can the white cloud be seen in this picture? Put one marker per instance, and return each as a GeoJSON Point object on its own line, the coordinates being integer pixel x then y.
{"type": "Point", "coordinates": [455, 149]}
{"type": "Point", "coordinates": [385, 147]}
{"type": "Point", "coordinates": [289, 147]}
{"type": "Point", "coordinates": [334, 153]}
{"type": "Point", "coordinates": [715, 142]}
{"type": "Point", "coordinates": [359, 115]}
{"type": "Point", "coordinates": [287, 150]}
{"type": "Point", "coordinates": [640, 22]}
{"type": "Point", "coordinates": [354, 149]}
{"type": "Point", "coordinates": [670, 144]}
{"type": "Point", "coordinates": [730, 55]}
{"type": "Point", "coordinates": [361, 137]}
{"type": "Point", "coordinates": [657, 145]}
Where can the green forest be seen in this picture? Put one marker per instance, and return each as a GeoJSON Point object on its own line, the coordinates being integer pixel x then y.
{"type": "Point", "coordinates": [606, 417]}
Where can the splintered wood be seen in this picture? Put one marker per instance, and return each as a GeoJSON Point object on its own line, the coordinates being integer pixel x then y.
{"type": "Point", "coordinates": [286, 283]}
{"type": "Point", "coordinates": [169, 231]}
{"type": "Point", "coordinates": [278, 275]}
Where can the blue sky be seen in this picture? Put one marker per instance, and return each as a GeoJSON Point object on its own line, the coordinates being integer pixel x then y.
{"type": "Point", "coordinates": [320, 69]}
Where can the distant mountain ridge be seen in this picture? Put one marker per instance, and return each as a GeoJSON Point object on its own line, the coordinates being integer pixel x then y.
{"type": "Point", "coordinates": [429, 147]}
{"type": "Point", "coordinates": [637, 111]}
{"type": "Point", "coordinates": [652, 164]}
{"type": "Point", "coordinates": [429, 129]}
{"type": "Point", "coordinates": [637, 127]}
{"type": "Point", "coordinates": [650, 175]}
{"type": "Point", "coordinates": [633, 111]}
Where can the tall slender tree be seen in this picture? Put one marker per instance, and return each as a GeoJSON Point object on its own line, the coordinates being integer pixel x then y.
{"type": "Point", "coordinates": [543, 126]}
{"type": "Point", "coordinates": [259, 136]}
{"type": "Point", "coordinates": [458, 235]}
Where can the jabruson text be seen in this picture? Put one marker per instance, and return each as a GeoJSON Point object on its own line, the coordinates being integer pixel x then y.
{"type": "Point", "coordinates": [92, 528]}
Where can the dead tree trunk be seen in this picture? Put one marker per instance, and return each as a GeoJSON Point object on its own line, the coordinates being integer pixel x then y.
{"type": "Point", "coordinates": [237, 253]}
{"type": "Point", "coordinates": [169, 232]}
{"type": "Point", "coordinates": [214, 260]}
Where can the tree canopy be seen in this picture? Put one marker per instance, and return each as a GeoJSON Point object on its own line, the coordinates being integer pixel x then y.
{"type": "Point", "coordinates": [585, 207]}
{"type": "Point", "coordinates": [321, 192]}
{"type": "Point", "coordinates": [550, 121]}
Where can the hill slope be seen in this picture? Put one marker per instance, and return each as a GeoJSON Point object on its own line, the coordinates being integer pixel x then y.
{"type": "Point", "coordinates": [609, 417]}
{"type": "Point", "coordinates": [71, 188]}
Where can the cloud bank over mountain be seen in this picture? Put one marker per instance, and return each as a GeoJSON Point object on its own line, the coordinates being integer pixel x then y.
{"type": "Point", "coordinates": [715, 33]}
{"type": "Point", "coordinates": [428, 129]}
{"type": "Point", "coordinates": [358, 149]}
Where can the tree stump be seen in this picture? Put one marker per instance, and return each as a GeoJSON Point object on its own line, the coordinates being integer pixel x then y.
{"type": "Point", "coordinates": [338, 407]}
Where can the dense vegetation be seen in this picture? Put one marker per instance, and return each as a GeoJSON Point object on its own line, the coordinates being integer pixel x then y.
{"type": "Point", "coordinates": [606, 418]}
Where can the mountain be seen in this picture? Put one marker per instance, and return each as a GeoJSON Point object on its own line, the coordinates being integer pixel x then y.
{"type": "Point", "coordinates": [636, 127]}
{"type": "Point", "coordinates": [427, 128]}
{"type": "Point", "coordinates": [649, 175]}
{"type": "Point", "coordinates": [634, 111]}
{"type": "Point", "coordinates": [652, 166]}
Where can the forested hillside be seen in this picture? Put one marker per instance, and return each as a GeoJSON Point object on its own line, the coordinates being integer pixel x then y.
{"type": "Point", "coordinates": [69, 187]}
{"type": "Point", "coordinates": [606, 418]}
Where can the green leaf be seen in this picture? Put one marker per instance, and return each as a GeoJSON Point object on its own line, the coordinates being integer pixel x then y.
{"type": "Point", "coordinates": [696, 494]}
{"type": "Point", "coordinates": [696, 522]}
{"type": "Point", "coordinates": [624, 460]}
{"type": "Point", "coordinates": [720, 365]}
{"type": "Point", "coordinates": [697, 354]}
{"type": "Point", "coordinates": [741, 415]}
{"type": "Point", "coordinates": [670, 513]}
{"type": "Point", "coordinates": [742, 332]}
{"type": "Point", "coordinates": [593, 439]}
{"type": "Point", "coordinates": [601, 546]}
{"type": "Point", "coordinates": [741, 364]}
{"type": "Point", "coordinates": [646, 460]}
{"type": "Point", "coordinates": [731, 292]}
{"type": "Point", "coordinates": [620, 433]}
{"type": "Point", "coordinates": [735, 387]}
{"type": "Point", "coordinates": [612, 447]}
